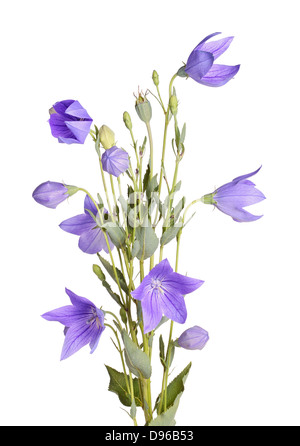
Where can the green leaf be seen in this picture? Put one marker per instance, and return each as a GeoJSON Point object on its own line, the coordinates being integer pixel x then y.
{"type": "Point", "coordinates": [148, 241]}
{"type": "Point", "coordinates": [118, 385]}
{"type": "Point", "coordinates": [110, 271]}
{"type": "Point", "coordinates": [116, 233]}
{"type": "Point", "coordinates": [169, 234]}
{"type": "Point", "coordinates": [178, 208]}
{"type": "Point", "coordinates": [146, 178]}
{"type": "Point", "coordinates": [167, 418]}
{"type": "Point", "coordinates": [175, 388]}
{"type": "Point", "coordinates": [137, 361]}
{"type": "Point", "coordinates": [162, 351]}
{"type": "Point", "coordinates": [99, 273]}
{"type": "Point", "coordinates": [152, 186]}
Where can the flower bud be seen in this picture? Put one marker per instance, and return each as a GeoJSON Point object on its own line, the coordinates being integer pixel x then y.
{"type": "Point", "coordinates": [193, 338]}
{"type": "Point", "coordinates": [143, 108]}
{"type": "Point", "coordinates": [155, 78]}
{"type": "Point", "coordinates": [50, 193]}
{"type": "Point", "coordinates": [107, 137]}
{"type": "Point", "coordinates": [173, 103]}
{"type": "Point", "coordinates": [127, 120]}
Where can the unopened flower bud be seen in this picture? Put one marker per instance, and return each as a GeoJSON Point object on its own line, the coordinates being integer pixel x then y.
{"type": "Point", "coordinates": [127, 120]}
{"type": "Point", "coordinates": [155, 78]}
{"type": "Point", "coordinates": [143, 108]}
{"type": "Point", "coordinates": [107, 137]}
{"type": "Point", "coordinates": [173, 103]}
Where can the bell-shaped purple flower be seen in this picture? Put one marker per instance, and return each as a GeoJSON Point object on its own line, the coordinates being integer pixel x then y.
{"type": "Point", "coordinates": [115, 161]}
{"type": "Point", "coordinates": [91, 236]}
{"type": "Point", "coordinates": [194, 338]}
{"type": "Point", "coordinates": [162, 293]}
{"type": "Point", "coordinates": [232, 197]}
{"type": "Point", "coordinates": [200, 65]}
{"type": "Point", "coordinates": [69, 122]}
{"type": "Point", "coordinates": [84, 324]}
{"type": "Point", "coordinates": [50, 193]}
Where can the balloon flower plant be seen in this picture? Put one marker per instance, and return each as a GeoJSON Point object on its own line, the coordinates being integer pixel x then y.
{"type": "Point", "coordinates": [127, 235]}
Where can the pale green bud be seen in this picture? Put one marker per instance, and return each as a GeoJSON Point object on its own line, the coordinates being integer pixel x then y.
{"type": "Point", "coordinates": [173, 103]}
{"type": "Point", "coordinates": [107, 137]}
{"type": "Point", "coordinates": [127, 120]}
{"type": "Point", "coordinates": [143, 108]}
{"type": "Point", "coordinates": [155, 78]}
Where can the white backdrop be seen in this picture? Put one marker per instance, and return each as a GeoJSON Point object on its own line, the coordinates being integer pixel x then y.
{"type": "Point", "coordinates": [99, 52]}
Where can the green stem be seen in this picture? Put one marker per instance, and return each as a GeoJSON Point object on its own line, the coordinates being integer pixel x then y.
{"type": "Point", "coordinates": [121, 354]}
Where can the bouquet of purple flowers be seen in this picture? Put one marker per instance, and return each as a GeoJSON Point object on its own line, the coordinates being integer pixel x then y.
{"type": "Point", "coordinates": [133, 230]}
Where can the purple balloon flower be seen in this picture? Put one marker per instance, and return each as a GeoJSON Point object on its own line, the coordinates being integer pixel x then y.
{"type": "Point", "coordinates": [232, 197]}
{"type": "Point", "coordinates": [200, 65]}
{"type": "Point", "coordinates": [193, 338]}
{"type": "Point", "coordinates": [83, 321]}
{"type": "Point", "coordinates": [162, 293]}
{"type": "Point", "coordinates": [91, 238]}
{"type": "Point", "coordinates": [69, 122]}
{"type": "Point", "coordinates": [50, 193]}
{"type": "Point", "coordinates": [115, 161]}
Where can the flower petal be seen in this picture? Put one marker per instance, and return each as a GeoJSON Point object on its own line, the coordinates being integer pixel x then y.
{"type": "Point", "coordinates": [216, 47]}
{"type": "Point", "coordinates": [181, 284]}
{"type": "Point", "coordinates": [75, 109]}
{"type": "Point", "coordinates": [238, 214]}
{"type": "Point", "coordinates": [80, 129]}
{"type": "Point", "coordinates": [199, 46]}
{"type": "Point", "coordinates": [219, 75]}
{"type": "Point", "coordinates": [91, 241]}
{"type": "Point", "coordinates": [67, 315]}
{"type": "Point", "coordinates": [58, 127]}
{"type": "Point", "coordinates": [173, 306]}
{"type": "Point", "coordinates": [78, 225]}
{"type": "Point", "coordinates": [248, 175]}
{"type": "Point", "coordinates": [82, 303]}
{"type": "Point", "coordinates": [152, 312]}
{"type": "Point", "coordinates": [198, 64]}
{"type": "Point", "coordinates": [78, 335]}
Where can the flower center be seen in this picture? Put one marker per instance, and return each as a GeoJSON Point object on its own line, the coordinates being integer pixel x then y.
{"type": "Point", "coordinates": [157, 285]}
{"type": "Point", "coordinates": [94, 318]}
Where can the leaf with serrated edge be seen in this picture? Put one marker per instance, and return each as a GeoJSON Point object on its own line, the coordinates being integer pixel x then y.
{"type": "Point", "coordinates": [167, 418]}
{"type": "Point", "coordinates": [118, 385]}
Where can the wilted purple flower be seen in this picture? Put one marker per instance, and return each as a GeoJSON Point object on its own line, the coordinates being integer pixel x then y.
{"type": "Point", "coordinates": [200, 65]}
{"type": "Point", "coordinates": [91, 238]}
{"type": "Point", "coordinates": [69, 122]}
{"type": "Point", "coordinates": [83, 321]}
{"type": "Point", "coordinates": [115, 161]}
{"type": "Point", "coordinates": [193, 338]}
{"type": "Point", "coordinates": [232, 197]}
{"type": "Point", "coordinates": [162, 293]}
{"type": "Point", "coordinates": [50, 193]}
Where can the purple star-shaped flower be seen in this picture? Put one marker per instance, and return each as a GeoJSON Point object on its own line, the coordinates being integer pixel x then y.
{"type": "Point", "coordinates": [91, 236]}
{"type": "Point", "coordinates": [83, 321]}
{"type": "Point", "coordinates": [162, 293]}
{"type": "Point", "coordinates": [232, 197]}
{"type": "Point", "coordinates": [69, 122]}
{"type": "Point", "coordinates": [115, 161]}
{"type": "Point", "coordinates": [200, 65]}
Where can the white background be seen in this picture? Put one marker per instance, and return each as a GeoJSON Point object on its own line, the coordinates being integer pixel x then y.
{"type": "Point", "coordinates": [99, 52]}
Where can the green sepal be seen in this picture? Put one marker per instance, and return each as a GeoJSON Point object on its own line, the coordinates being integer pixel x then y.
{"type": "Point", "coordinates": [137, 361]}
{"type": "Point", "coordinates": [110, 271]}
{"type": "Point", "coordinates": [72, 190]}
{"type": "Point", "coordinates": [118, 385]}
{"type": "Point", "coordinates": [181, 72]}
